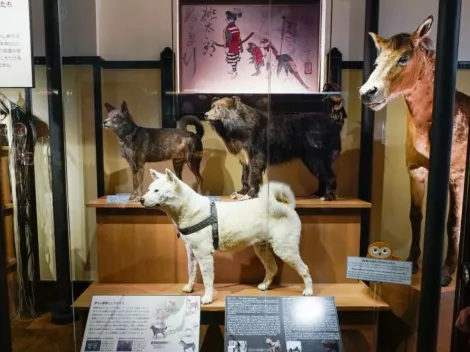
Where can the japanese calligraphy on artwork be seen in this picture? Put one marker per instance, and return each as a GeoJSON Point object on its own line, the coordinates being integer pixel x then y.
{"type": "Point", "coordinates": [16, 64]}
{"type": "Point", "coordinates": [249, 48]}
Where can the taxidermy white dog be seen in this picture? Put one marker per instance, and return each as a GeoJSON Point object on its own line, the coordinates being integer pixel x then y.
{"type": "Point", "coordinates": [268, 223]}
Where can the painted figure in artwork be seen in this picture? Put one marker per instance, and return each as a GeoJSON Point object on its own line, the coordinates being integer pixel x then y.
{"type": "Point", "coordinates": [284, 62]}
{"type": "Point", "coordinates": [232, 39]}
{"type": "Point", "coordinates": [257, 57]}
{"type": "Point", "coordinates": [405, 68]}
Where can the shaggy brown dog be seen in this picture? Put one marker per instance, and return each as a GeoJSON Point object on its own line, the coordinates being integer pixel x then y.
{"type": "Point", "coordinates": [259, 140]}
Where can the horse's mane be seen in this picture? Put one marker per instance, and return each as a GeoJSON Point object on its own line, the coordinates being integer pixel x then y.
{"type": "Point", "coordinates": [405, 40]}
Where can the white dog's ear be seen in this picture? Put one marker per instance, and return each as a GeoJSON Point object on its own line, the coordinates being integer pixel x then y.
{"type": "Point", "coordinates": [155, 175]}
{"type": "Point", "coordinates": [171, 176]}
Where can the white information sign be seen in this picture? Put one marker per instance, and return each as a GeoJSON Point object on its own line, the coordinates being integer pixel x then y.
{"type": "Point", "coordinates": [143, 323]}
{"type": "Point", "coordinates": [16, 61]}
{"type": "Point", "coordinates": [379, 270]}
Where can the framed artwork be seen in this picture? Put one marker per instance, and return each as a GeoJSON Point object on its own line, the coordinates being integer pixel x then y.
{"type": "Point", "coordinates": [249, 48]}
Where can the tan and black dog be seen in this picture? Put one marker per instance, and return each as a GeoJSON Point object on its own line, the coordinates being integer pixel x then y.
{"type": "Point", "coordinates": [140, 145]}
{"type": "Point", "coordinates": [260, 140]}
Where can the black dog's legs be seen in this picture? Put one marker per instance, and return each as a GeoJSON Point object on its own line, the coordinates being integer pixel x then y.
{"type": "Point", "coordinates": [245, 180]}
{"type": "Point", "coordinates": [323, 171]}
{"type": "Point", "coordinates": [314, 166]}
{"type": "Point", "coordinates": [330, 180]}
{"type": "Point", "coordinates": [320, 192]}
{"type": "Point", "coordinates": [256, 169]}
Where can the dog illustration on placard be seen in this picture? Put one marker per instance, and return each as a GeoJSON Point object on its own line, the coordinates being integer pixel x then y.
{"type": "Point", "coordinates": [187, 346]}
{"type": "Point", "coordinates": [156, 331]}
{"type": "Point", "coordinates": [171, 304]}
{"type": "Point", "coordinates": [190, 305]}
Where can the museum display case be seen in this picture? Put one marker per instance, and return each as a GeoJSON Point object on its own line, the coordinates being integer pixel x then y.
{"type": "Point", "coordinates": [138, 250]}
{"type": "Point", "coordinates": [225, 176]}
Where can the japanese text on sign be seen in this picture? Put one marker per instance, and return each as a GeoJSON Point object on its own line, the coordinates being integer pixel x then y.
{"type": "Point", "coordinates": [16, 65]}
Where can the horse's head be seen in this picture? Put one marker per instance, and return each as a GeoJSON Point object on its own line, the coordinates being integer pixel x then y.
{"type": "Point", "coordinates": [399, 65]}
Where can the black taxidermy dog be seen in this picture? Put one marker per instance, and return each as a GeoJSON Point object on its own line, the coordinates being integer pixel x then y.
{"type": "Point", "coordinates": [260, 140]}
{"type": "Point", "coordinates": [140, 145]}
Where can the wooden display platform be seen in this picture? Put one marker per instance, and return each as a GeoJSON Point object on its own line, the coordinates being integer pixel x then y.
{"type": "Point", "coordinates": [358, 308]}
{"type": "Point", "coordinates": [139, 245]}
{"type": "Point", "coordinates": [355, 297]}
{"type": "Point", "coordinates": [301, 203]}
{"type": "Point", "coordinates": [139, 253]}
{"type": "Point", "coordinates": [403, 316]}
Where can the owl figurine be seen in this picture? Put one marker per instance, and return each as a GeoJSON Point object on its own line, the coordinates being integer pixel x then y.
{"type": "Point", "coordinates": [381, 250]}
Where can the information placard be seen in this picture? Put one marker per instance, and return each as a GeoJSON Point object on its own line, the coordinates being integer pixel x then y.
{"type": "Point", "coordinates": [379, 270]}
{"type": "Point", "coordinates": [142, 323]}
{"type": "Point", "coordinates": [291, 324]}
{"type": "Point", "coordinates": [16, 61]}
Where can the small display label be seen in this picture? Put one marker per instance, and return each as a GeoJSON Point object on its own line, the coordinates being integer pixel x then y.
{"type": "Point", "coordinates": [119, 198]}
{"type": "Point", "coordinates": [215, 198]}
{"type": "Point", "coordinates": [379, 270]}
{"type": "Point", "coordinates": [298, 323]}
{"type": "Point", "coordinates": [143, 324]}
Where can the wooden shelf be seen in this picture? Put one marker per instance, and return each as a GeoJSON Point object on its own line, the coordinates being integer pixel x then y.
{"type": "Point", "coordinates": [7, 206]}
{"type": "Point", "coordinates": [4, 147]}
{"type": "Point", "coordinates": [301, 203]}
{"type": "Point", "coordinates": [348, 297]}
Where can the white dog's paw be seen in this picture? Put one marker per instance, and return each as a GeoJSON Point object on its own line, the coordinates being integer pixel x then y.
{"type": "Point", "coordinates": [235, 195]}
{"type": "Point", "coordinates": [308, 292]}
{"type": "Point", "coordinates": [188, 288]}
{"type": "Point", "coordinates": [245, 197]}
{"type": "Point", "coordinates": [263, 286]}
{"type": "Point", "coordinates": [206, 299]}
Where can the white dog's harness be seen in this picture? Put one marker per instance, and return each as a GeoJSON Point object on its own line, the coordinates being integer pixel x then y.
{"type": "Point", "coordinates": [211, 220]}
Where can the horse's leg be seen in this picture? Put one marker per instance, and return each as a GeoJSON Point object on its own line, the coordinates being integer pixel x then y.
{"type": "Point", "coordinates": [454, 219]}
{"type": "Point", "coordinates": [418, 178]}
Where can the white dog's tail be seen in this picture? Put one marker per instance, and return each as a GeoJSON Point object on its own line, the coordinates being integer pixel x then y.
{"type": "Point", "coordinates": [279, 198]}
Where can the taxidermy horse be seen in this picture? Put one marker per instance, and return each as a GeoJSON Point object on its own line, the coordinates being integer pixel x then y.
{"type": "Point", "coordinates": [405, 68]}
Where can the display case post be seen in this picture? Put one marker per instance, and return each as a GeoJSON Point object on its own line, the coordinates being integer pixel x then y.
{"type": "Point", "coordinates": [61, 312]}
{"type": "Point", "coordinates": [439, 170]}
{"type": "Point", "coordinates": [98, 109]}
{"type": "Point", "coordinates": [32, 212]}
{"type": "Point", "coordinates": [367, 124]}
{"type": "Point", "coordinates": [167, 59]}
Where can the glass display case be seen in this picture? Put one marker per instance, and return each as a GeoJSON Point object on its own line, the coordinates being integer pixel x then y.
{"type": "Point", "coordinates": [227, 177]}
